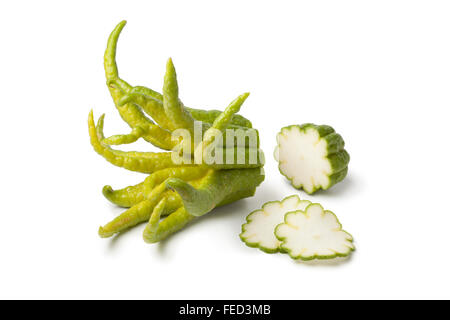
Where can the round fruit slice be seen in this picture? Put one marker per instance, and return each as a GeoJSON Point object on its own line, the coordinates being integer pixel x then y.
{"type": "Point", "coordinates": [311, 157]}
{"type": "Point", "coordinates": [258, 231]}
{"type": "Point", "coordinates": [313, 234]}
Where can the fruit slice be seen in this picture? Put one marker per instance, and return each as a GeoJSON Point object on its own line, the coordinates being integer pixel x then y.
{"type": "Point", "coordinates": [258, 231]}
{"type": "Point", "coordinates": [311, 157]}
{"type": "Point", "coordinates": [313, 234]}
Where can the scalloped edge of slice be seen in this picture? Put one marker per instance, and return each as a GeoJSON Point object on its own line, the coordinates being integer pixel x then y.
{"type": "Point", "coordinates": [258, 231]}
{"type": "Point", "coordinates": [313, 233]}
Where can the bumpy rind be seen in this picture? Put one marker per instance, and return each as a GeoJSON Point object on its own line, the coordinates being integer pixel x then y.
{"type": "Point", "coordinates": [337, 156]}
{"type": "Point", "coordinates": [284, 249]}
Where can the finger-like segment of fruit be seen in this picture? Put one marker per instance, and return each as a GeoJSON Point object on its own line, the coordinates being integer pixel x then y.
{"type": "Point", "coordinates": [311, 157]}
{"type": "Point", "coordinates": [224, 119]}
{"type": "Point", "coordinates": [126, 197]}
{"type": "Point", "coordinates": [153, 224]}
{"type": "Point", "coordinates": [110, 53]}
{"type": "Point", "coordinates": [174, 109]}
{"type": "Point", "coordinates": [258, 231]}
{"type": "Point", "coordinates": [145, 162]}
{"type": "Point", "coordinates": [157, 230]}
{"type": "Point", "coordinates": [130, 113]}
{"type": "Point", "coordinates": [131, 137]}
{"type": "Point", "coordinates": [314, 233]}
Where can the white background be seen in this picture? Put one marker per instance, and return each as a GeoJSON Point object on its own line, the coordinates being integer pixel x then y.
{"type": "Point", "coordinates": [377, 71]}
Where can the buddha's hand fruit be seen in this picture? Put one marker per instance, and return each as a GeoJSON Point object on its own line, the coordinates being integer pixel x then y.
{"type": "Point", "coordinates": [177, 190]}
{"type": "Point", "coordinates": [311, 157]}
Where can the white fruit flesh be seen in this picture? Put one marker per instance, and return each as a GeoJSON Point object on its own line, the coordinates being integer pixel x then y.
{"type": "Point", "coordinates": [303, 158]}
{"type": "Point", "coordinates": [260, 226]}
{"type": "Point", "coordinates": [313, 233]}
